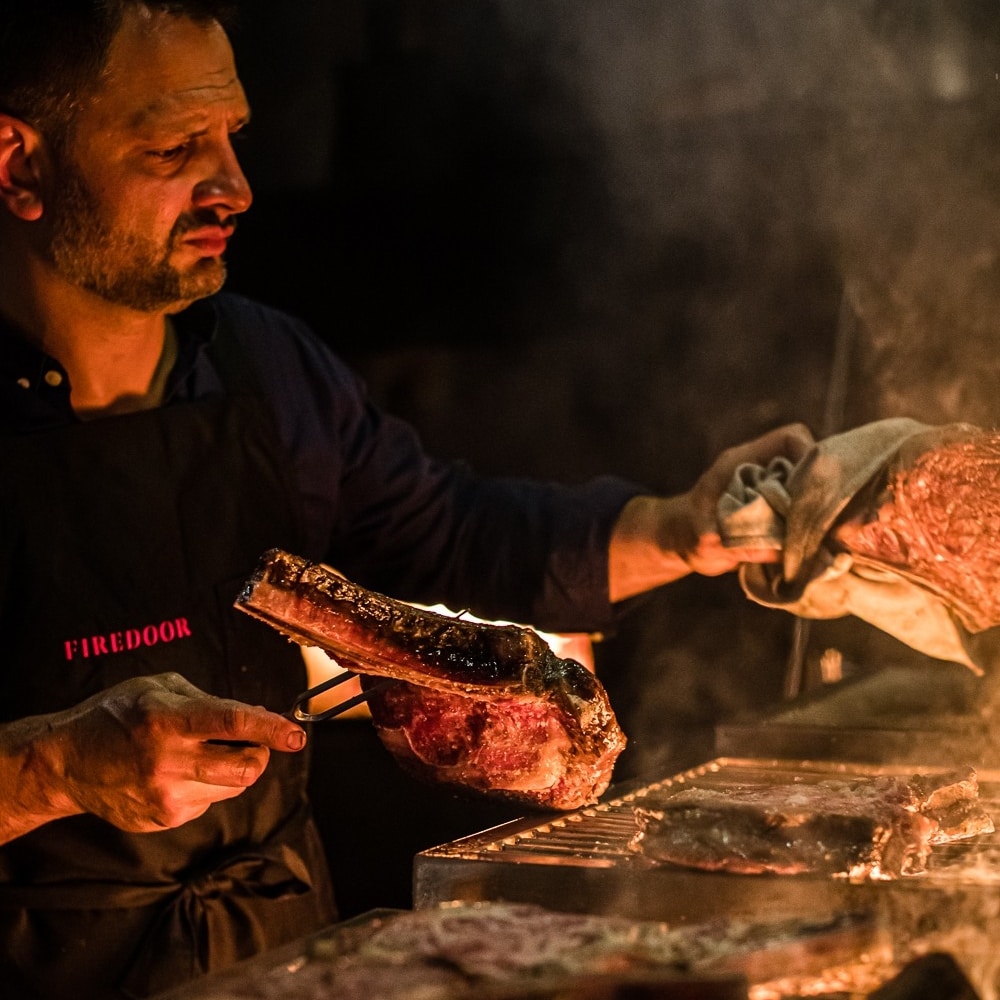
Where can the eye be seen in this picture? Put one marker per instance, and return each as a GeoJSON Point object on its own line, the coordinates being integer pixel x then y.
{"type": "Point", "coordinates": [169, 154]}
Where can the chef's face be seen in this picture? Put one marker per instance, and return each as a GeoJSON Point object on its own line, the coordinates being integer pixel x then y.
{"type": "Point", "coordinates": [145, 193]}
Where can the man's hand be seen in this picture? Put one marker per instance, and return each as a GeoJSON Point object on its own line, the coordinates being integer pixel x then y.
{"type": "Point", "coordinates": [700, 544]}
{"type": "Point", "coordinates": [660, 539]}
{"type": "Point", "coordinates": [149, 754]}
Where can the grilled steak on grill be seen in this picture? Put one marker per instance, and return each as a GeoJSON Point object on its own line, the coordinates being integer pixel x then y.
{"type": "Point", "coordinates": [880, 827]}
{"type": "Point", "coordinates": [480, 706]}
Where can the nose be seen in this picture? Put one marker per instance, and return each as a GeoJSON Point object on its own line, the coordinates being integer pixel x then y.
{"type": "Point", "coordinates": [226, 187]}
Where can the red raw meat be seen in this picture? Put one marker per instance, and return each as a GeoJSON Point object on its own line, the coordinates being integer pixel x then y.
{"type": "Point", "coordinates": [937, 521]}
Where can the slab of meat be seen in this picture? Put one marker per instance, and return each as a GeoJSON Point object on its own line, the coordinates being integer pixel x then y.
{"type": "Point", "coordinates": [521, 944]}
{"type": "Point", "coordinates": [937, 521]}
{"type": "Point", "coordinates": [880, 827]}
{"type": "Point", "coordinates": [480, 706]}
{"type": "Point", "coordinates": [518, 951]}
{"type": "Point", "coordinates": [895, 522]}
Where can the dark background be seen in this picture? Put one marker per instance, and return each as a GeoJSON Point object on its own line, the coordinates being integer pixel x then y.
{"type": "Point", "coordinates": [568, 237]}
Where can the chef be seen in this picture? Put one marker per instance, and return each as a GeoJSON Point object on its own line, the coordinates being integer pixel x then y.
{"type": "Point", "coordinates": [157, 436]}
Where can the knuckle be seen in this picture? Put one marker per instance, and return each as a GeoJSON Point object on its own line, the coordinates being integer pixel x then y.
{"type": "Point", "coordinates": [230, 718]}
{"type": "Point", "coordinates": [152, 722]}
{"type": "Point", "coordinates": [235, 718]}
{"type": "Point", "coordinates": [798, 434]}
{"type": "Point", "coordinates": [239, 768]}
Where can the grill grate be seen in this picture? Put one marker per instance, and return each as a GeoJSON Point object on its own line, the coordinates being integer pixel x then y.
{"type": "Point", "coordinates": [581, 861]}
{"type": "Point", "coordinates": [599, 835]}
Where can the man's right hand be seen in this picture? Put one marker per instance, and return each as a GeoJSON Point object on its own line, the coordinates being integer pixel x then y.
{"type": "Point", "coordinates": [148, 754]}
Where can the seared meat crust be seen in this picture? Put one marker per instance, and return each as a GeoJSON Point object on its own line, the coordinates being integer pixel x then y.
{"type": "Point", "coordinates": [482, 706]}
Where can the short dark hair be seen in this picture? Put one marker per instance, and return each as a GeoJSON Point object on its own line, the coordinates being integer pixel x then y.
{"type": "Point", "coordinates": [52, 52]}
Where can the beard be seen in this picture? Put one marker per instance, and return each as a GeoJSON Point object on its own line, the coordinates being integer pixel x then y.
{"type": "Point", "coordinates": [123, 267]}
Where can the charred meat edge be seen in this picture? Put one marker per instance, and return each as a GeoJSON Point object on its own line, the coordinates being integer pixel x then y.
{"type": "Point", "coordinates": [373, 634]}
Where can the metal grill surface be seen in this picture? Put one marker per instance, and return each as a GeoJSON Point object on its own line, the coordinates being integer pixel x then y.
{"type": "Point", "coordinates": [599, 835]}
{"type": "Point", "coordinates": [582, 860]}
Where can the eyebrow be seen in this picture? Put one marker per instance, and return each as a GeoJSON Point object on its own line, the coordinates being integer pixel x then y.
{"type": "Point", "coordinates": [169, 111]}
{"type": "Point", "coordinates": [186, 124]}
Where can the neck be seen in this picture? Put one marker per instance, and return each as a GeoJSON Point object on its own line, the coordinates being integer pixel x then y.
{"type": "Point", "coordinates": [110, 352]}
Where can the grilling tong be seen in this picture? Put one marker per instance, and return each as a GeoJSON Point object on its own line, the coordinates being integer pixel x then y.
{"type": "Point", "coordinates": [299, 711]}
{"type": "Point", "coordinates": [300, 707]}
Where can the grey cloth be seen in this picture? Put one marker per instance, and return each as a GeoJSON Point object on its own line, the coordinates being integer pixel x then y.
{"type": "Point", "coordinates": [795, 507]}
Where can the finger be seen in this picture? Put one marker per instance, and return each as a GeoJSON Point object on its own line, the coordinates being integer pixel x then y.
{"type": "Point", "coordinates": [791, 441]}
{"type": "Point", "coordinates": [230, 767]}
{"type": "Point", "coordinates": [192, 800]}
{"type": "Point", "coordinates": [712, 558]}
{"type": "Point", "coordinates": [234, 723]}
{"type": "Point", "coordinates": [755, 555]}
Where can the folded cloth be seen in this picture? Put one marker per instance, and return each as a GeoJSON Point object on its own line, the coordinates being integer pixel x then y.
{"type": "Point", "coordinates": [869, 526]}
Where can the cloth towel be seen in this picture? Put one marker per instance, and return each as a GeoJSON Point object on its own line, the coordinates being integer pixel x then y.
{"type": "Point", "coordinates": [793, 508]}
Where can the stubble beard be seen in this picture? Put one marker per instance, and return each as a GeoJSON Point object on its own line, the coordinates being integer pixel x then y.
{"type": "Point", "coordinates": [121, 267]}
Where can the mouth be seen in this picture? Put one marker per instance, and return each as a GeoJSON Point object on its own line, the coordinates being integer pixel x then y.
{"type": "Point", "coordinates": [210, 241]}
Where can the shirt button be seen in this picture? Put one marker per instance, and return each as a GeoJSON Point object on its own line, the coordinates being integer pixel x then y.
{"type": "Point", "coordinates": [53, 378]}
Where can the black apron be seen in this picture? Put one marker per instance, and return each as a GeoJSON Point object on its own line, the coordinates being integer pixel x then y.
{"type": "Point", "coordinates": [124, 543]}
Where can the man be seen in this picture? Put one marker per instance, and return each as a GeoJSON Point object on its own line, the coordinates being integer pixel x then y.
{"type": "Point", "coordinates": [156, 439]}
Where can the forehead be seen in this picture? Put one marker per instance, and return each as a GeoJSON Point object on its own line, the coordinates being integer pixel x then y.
{"type": "Point", "coordinates": [163, 68]}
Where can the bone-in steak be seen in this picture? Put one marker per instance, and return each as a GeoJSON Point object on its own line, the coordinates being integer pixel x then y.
{"type": "Point", "coordinates": [482, 706]}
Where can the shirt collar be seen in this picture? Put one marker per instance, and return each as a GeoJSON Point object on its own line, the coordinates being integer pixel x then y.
{"type": "Point", "coordinates": [40, 381]}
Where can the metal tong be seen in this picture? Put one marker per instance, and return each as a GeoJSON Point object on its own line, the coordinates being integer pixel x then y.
{"type": "Point", "coordinates": [299, 710]}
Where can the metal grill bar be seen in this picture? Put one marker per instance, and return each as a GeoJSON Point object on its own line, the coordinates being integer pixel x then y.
{"type": "Point", "coordinates": [599, 836]}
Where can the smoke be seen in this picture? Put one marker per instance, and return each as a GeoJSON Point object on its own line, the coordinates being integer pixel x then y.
{"type": "Point", "coordinates": [759, 134]}
{"type": "Point", "coordinates": [677, 198]}
{"type": "Point", "coordinates": [739, 168]}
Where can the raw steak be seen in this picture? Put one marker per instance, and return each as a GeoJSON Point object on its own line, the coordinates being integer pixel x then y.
{"type": "Point", "coordinates": [880, 827]}
{"type": "Point", "coordinates": [486, 707]}
{"type": "Point", "coordinates": [937, 521]}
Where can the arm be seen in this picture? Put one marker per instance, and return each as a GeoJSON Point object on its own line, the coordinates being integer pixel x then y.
{"type": "Point", "coordinates": [397, 521]}
{"type": "Point", "coordinates": [149, 754]}
{"type": "Point", "coordinates": [657, 540]}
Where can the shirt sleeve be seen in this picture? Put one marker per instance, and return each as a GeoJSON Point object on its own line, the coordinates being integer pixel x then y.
{"type": "Point", "coordinates": [396, 520]}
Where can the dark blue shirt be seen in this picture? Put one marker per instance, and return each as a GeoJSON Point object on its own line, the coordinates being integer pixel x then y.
{"type": "Point", "coordinates": [377, 506]}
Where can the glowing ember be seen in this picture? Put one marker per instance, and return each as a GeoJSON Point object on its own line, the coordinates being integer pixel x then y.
{"type": "Point", "coordinates": [856, 979]}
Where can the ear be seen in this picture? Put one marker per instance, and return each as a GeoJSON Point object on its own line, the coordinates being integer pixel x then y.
{"type": "Point", "coordinates": [20, 168]}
